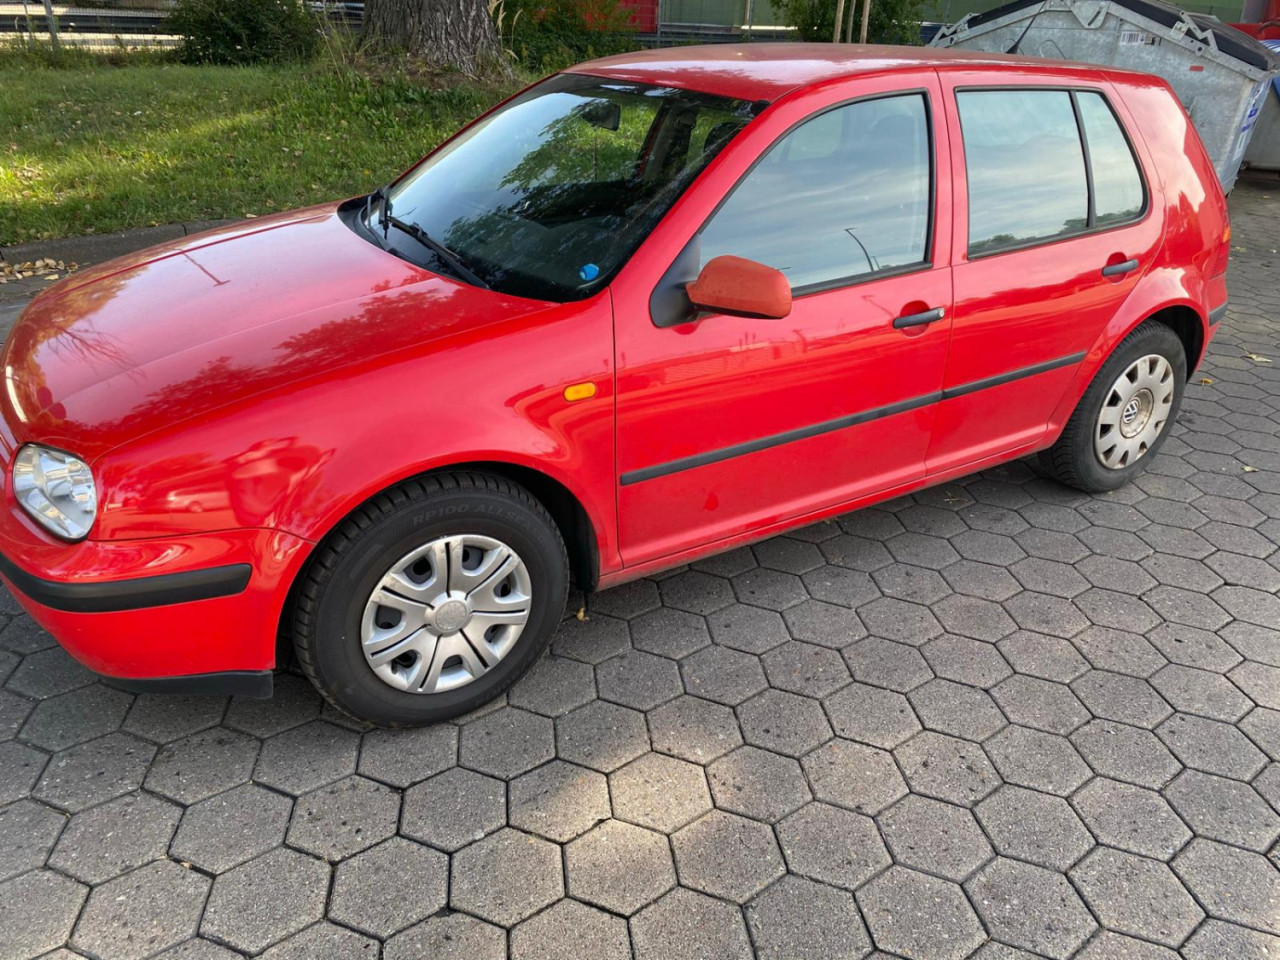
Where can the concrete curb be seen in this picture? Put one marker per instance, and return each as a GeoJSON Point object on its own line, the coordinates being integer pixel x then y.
{"type": "Point", "coordinates": [95, 248]}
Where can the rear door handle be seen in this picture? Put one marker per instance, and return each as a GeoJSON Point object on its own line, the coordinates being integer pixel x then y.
{"type": "Point", "coordinates": [919, 319]}
{"type": "Point", "coordinates": [1119, 269]}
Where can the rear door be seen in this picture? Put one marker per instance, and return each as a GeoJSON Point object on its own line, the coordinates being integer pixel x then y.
{"type": "Point", "coordinates": [1053, 227]}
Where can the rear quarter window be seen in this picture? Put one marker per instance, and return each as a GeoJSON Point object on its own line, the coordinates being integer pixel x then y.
{"type": "Point", "coordinates": [1117, 185]}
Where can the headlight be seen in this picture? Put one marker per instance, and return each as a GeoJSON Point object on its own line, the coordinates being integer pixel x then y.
{"type": "Point", "coordinates": [57, 489]}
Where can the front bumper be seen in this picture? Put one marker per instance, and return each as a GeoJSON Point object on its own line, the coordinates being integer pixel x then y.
{"type": "Point", "coordinates": [193, 614]}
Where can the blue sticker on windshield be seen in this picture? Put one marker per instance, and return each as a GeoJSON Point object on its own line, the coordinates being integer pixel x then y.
{"type": "Point", "coordinates": [589, 272]}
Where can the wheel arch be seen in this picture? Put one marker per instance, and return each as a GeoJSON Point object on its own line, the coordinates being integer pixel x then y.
{"type": "Point", "coordinates": [1188, 325]}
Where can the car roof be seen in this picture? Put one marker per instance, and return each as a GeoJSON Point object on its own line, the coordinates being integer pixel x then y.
{"type": "Point", "coordinates": [766, 71]}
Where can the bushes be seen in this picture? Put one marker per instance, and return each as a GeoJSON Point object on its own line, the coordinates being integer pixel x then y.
{"type": "Point", "coordinates": [244, 31]}
{"type": "Point", "coordinates": [548, 35]}
{"type": "Point", "coordinates": [891, 21]}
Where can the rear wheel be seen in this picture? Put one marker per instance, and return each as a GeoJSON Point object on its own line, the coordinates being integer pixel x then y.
{"type": "Point", "coordinates": [1125, 415]}
{"type": "Point", "coordinates": [431, 599]}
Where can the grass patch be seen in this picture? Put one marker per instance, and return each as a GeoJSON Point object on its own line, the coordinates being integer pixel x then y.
{"type": "Point", "coordinates": [95, 148]}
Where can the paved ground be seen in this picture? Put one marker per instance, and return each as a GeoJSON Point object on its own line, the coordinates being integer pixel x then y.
{"type": "Point", "coordinates": [996, 720]}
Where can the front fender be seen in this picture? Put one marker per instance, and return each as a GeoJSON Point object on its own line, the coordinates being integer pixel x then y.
{"type": "Point", "coordinates": [301, 459]}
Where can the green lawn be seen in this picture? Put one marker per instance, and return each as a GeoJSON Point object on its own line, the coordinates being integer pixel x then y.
{"type": "Point", "coordinates": [93, 149]}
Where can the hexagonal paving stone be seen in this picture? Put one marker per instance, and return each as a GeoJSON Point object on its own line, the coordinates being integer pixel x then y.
{"type": "Point", "coordinates": [771, 589]}
{"type": "Point", "coordinates": [326, 940]}
{"type": "Point", "coordinates": [570, 930]}
{"type": "Point", "coordinates": [344, 818]}
{"type": "Point", "coordinates": [1211, 746]}
{"type": "Point", "coordinates": [805, 668]}
{"type": "Point", "coordinates": [1118, 651]}
{"type": "Point", "coordinates": [659, 792]}
{"type": "Point", "coordinates": [1031, 826]}
{"type": "Point", "coordinates": [454, 808]}
{"type": "Point", "coordinates": [900, 621]}
{"type": "Point", "coordinates": [602, 736]}
{"type": "Point", "coordinates": [49, 673]}
{"type": "Point", "coordinates": [783, 722]}
{"type": "Point", "coordinates": [888, 664]}
{"type": "Point", "coordinates": [231, 828]}
{"type": "Point", "coordinates": [639, 680]}
{"type": "Point", "coordinates": [696, 592]}
{"type": "Point", "coordinates": [116, 837]}
{"type": "Point", "coordinates": [390, 887]}
{"type": "Point", "coordinates": [1041, 613]}
{"type": "Point", "coordinates": [143, 912]}
{"type": "Point", "coordinates": [787, 555]}
{"type": "Point", "coordinates": [935, 836]}
{"type": "Point", "coordinates": [558, 801]}
{"type": "Point", "coordinates": [903, 581]}
{"type": "Point", "coordinates": [832, 845]}
{"type": "Point", "coordinates": [1137, 896]}
{"type": "Point", "coordinates": [1126, 753]}
{"type": "Point", "coordinates": [71, 718]}
{"type": "Point", "coordinates": [81, 777]}
{"type": "Point", "coordinates": [1045, 657]}
{"type": "Point", "coordinates": [1038, 760]}
{"type": "Point", "coordinates": [1259, 681]}
{"type": "Point", "coordinates": [1225, 810]}
{"type": "Point", "coordinates": [967, 661]}
{"type": "Point", "coordinates": [758, 784]}
{"type": "Point", "coordinates": [798, 919]}
{"type": "Point", "coordinates": [293, 702]}
{"type": "Point", "coordinates": [842, 586]}
{"type": "Point", "coordinates": [402, 758]}
{"type": "Point", "coordinates": [1041, 705]}
{"type": "Point", "coordinates": [506, 877]}
{"type": "Point", "coordinates": [916, 915]}
{"type": "Point", "coordinates": [871, 715]}
{"type": "Point", "coordinates": [727, 856]}
{"type": "Point", "coordinates": [853, 775]}
{"type": "Point", "coordinates": [685, 925]}
{"type": "Point", "coordinates": [825, 624]}
{"type": "Point", "coordinates": [163, 718]}
{"type": "Point", "coordinates": [27, 832]}
{"type": "Point", "coordinates": [452, 937]}
{"type": "Point", "coordinates": [748, 629]}
{"type": "Point", "coordinates": [202, 765]}
{"type": "Point", "coordinates": [265, 900]}
{"type": "Point", "coordinates": [1114, 946]}
{"type": "Point", "coordinates": [694, 729]}
{"type": "Point", "coordinates": [1030, 907]}
{"type": "Point", "coordinates": [37, 911]}
{"type": "Point", "coordinates": [619, 867]}
{"type": "Point", "coordinates": [1131, 818]}
{"type": "Point", "coordinates": [946, 768]}
{"type": "Point", "coordinates": [723, 675]}
{"type": "Point", "coordinates": [627, 601]}
{"type": "Point", "coordinates": [593, 640]}
{"type": "Point", "coordinates": [1217, 939]}
{"type": "Point", "coordinates": [1112, 696]}
{"type": "Point", "coordinates": [307, 757]}
{"type": "Point", "coordinates": [506, 743]}
{"type": "Point", "coordinates": [1194, 648]}
{"type": "Point", "coordinates": [955, 709]}
{"type": "Point", "coordinates": [670, 633]}
{"type": "Point", "coordinates": [187, 950]}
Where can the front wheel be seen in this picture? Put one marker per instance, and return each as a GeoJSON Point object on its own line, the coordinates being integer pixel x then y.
{"type": "Point", "coordinates": [1125, 415]}
{"type": "Point", "coordinates": [431, 599]}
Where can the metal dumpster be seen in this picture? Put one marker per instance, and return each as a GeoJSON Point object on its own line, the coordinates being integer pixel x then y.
{"type": "Point", "coordinates": [1220, 74]}
{"type": "Point", "coordinates": [1263, 152]}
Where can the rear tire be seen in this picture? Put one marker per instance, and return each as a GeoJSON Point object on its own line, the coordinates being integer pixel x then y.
{"type": "Point", "coordinates": [1126, 413]}
{"type": "Point", "coordinates": [431, 599]}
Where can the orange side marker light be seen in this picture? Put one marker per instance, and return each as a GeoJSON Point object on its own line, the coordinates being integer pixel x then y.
{"type": "Point", "coordinates": [580, 391]}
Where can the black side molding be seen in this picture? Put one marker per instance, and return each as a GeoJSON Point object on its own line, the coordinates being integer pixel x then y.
{"type": "Point", "coordinates": [115, 595]}
{"type": "Point", "coordinates": [1217, 313]}
{"type": "Point", "coordinates": [250, 684]}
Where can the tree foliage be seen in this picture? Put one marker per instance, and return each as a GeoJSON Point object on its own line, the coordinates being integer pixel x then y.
{"type": "Point", "coordinates": [892, 21]}
{"type": "Point", "coordinates": [244, 31]}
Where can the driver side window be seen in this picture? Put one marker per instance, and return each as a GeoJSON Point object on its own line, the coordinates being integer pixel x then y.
{"type": "Point", "coordinates": [844, 195]}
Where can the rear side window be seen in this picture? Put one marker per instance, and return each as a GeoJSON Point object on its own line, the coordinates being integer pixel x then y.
{"type": "Point", "coordinates": [1044, 164]}
{"type": "Point", "coordinates": [1117, 187]}
{"type": "Point", "coordinates": [1025, 164]}
{"type": "Point", "coordinates": [846, 194]}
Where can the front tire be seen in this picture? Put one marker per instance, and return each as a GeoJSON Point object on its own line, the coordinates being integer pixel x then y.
{"type": "Point", "coordinates": [431, 599]}
{"type": "Point", "coordinates": [1126, 414]}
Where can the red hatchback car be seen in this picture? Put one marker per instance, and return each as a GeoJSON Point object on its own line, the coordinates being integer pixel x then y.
{"type": "Point", "coordinates": [646, 310]}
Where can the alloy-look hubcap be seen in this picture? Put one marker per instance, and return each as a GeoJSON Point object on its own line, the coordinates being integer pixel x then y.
{"type": "Point", "coordinates": [1134, 413]}
{"type": "Point", "coordinates": [446, 613]}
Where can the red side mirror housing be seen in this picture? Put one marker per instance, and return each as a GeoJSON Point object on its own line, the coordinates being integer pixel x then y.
{"type": "Point", "coordinates": [741, 288]}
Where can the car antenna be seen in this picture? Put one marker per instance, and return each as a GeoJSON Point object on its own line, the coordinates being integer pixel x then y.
{"type": "Point", "coordinates": [1022, 36]}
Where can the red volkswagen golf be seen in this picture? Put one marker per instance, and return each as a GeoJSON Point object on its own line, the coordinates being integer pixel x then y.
{"type": "Point", "coordinates": [646, 310]}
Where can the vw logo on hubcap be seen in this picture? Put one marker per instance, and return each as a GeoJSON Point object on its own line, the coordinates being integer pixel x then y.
{"type": "Point", "coordinates": [1131, 410]}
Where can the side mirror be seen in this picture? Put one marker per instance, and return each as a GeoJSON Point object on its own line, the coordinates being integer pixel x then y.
{"type": "Point", "coordinates": [741, 288]}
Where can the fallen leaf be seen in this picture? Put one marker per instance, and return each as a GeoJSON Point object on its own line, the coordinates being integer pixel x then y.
{"type": "Point", "coordinates": [1249, 469]}
{"type": "Point", "coordinates": [1257, 359]}
{"type": "Point", "coordinates": [582, 614]}
{"type": "Point", "coordinates": [1206, 381]}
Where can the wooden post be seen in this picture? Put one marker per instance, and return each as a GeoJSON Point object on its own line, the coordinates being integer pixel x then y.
{"type": "Point", "coordinates": [835, 34]}
{"type": "Point", "coordinates": [848, 26]}
{"type": "Point", "coordinates": [866, 13]}
{"type": "Point", "coordinates": [53, 25]}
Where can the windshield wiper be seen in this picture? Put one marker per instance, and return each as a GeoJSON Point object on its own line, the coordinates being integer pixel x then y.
{"type": "Point", "coordinates": [435, 246]}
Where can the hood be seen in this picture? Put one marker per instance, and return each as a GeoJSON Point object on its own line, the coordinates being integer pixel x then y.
{"type": "Point", "coordinates": [176, 331]}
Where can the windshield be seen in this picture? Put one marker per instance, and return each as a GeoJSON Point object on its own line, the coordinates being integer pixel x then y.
{"type": "Point", "coordinates": [549, 196]}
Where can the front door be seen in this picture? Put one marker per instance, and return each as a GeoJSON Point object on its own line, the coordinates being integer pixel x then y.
{"type": "Point", "coordinates": [1051, 235]}
{"type": "Point", "coordinates": [728, 424]}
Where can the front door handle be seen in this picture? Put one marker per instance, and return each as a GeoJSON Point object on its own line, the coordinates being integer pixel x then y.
{"type": "Point", "coordinates": [1120, 269]}
{"type": "Point", "coordinates": [919, 319]}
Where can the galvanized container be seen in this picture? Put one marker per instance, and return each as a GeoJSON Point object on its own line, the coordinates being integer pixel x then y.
{"type": "Point", "coordinates": [1220, 74]}
{"type": "Point", "coordinates": [1263, 152]}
